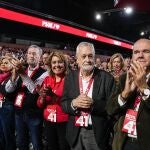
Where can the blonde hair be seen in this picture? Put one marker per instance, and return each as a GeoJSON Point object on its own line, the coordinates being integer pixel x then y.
{"type": "Point", "coordinates": [117, 55]}
{"type": "Point", "coordinates": [9, 58]}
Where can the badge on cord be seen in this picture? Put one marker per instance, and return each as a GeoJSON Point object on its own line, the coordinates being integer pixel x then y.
{"type": "Point", "coordinates": [82, 120]}
{"type": "Point", "coordinates": [51, 114]}
{"type": "Point", "coordinates": [1, 100]}
{"type": "Point", "coordinates": [19, 100]}
{"type": "Point", "coordinates": [1, 103]}
{"type": "Point", "coordinates": [129, 125]}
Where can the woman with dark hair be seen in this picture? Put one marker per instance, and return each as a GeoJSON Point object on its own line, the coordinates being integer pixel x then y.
{"type": "Point", "coordinates": [55, 119]}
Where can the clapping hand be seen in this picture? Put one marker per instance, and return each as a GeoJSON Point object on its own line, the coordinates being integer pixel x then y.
{"type": "Point", "coordinates": [136, 79]}
{"type": "Point", "coordinates": [82, 101]}
{"type": "Point", "coordinates": [18, 66]}
{"type": "Point", "coordinates": [45, 91]}
{"type": "Point", "coordinates": [139, 76]}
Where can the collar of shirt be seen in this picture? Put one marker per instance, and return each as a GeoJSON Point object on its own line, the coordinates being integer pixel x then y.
{"type": "Point", "coordinates": [147, 77]}
{"type": "Point", "coordinates": [86, 80]}
{"type": "Point", "coordinates": [30, 70]}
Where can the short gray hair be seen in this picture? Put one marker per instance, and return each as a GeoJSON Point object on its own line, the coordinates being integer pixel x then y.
{"type": "Point", "coordinates": [85, 44]}
{"type": "Point", "coordinates": [37, 47]}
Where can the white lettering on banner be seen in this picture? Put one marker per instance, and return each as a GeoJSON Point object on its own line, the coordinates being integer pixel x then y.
{"type": "Point", "coordinates": [117, 42]}
{"type": "Point", "coordinates": [90, 35]}
{"type": "Point", "coordinates": [50, 25]}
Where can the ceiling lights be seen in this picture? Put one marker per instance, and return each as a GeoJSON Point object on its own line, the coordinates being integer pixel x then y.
{"type": "Point", "coordinates": [126, 10]}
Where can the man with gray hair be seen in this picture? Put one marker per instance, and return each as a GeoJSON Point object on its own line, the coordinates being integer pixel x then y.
{"type": "Point", "coordinates": [28, 116]}
{"type": "Point", "coordinates": [86, 92]}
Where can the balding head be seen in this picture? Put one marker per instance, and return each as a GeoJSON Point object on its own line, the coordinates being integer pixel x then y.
{"type": "Point", "coordinates": [142, 43]}
{"type": "Point", "coordinates": [141, 52]}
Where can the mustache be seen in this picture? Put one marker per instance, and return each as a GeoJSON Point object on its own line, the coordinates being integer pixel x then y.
{"type": "Point", "coordinates": [87, 63]}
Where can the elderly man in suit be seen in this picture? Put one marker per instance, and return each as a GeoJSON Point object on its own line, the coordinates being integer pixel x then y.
{"type": "Point", "coordinates": [131, 102]}
{"type": "Point", "coordinates": [86, 92]}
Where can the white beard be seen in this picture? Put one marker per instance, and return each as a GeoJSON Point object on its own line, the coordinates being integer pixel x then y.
{"type": "Point", "coordinates": [87, 68]}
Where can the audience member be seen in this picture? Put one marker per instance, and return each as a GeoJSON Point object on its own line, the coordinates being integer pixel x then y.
{"type": "Point", "coordinates": [116, 65]}
{"type": "Point", "coordinates": [85, 95]}
{"type": "Point", "coordinates": [55, 119]}
{"type": "Point", "coordinates": [7, 114]}
{"type": "Point", "coordinates": [28, 116]}
{"type": "Point", "coordinates": [131, 102]}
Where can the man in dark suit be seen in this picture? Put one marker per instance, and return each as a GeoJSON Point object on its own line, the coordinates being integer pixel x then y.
{"type": "Point", "coordinates": [131, 102]}
{"type": "Point", "coordinates": [28, 117]}
{"type": "Point", "coordinates": [86, 92]}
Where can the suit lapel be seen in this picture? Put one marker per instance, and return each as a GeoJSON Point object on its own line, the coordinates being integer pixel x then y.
{"type": "Point", "coordinates": [140, 109]}
{"type": "Point", "coordinates": [76, 83]}
{"type": "Point", "coordinates": [96, 83]}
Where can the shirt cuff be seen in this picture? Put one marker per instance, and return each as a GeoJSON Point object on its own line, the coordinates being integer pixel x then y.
{"type": "Point", "coordinates": [10, 86]}
{"type": "Point", "coordinates": [145, 97]}
{"type": "Point", "coordinates": [120, 101]}
{"type": "Point", "coordinates": [73, 107]}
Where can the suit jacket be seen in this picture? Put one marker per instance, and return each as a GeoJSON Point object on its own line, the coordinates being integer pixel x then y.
{"type": "Point", "coordinates": [102, 88]}
{"type": "Point", "coordinates": [29, 104]}
{"type": "Point", "coordinates": [143, 118]}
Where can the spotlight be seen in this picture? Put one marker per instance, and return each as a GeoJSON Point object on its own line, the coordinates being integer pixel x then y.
{"type": "Point", "coordinates": [128, 10]}
{"type": "Point", "coordinates": [142, 33]}
{"type": "Point", "coordinates": [98, 16]}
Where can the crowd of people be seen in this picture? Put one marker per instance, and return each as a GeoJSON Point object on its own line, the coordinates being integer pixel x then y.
{"type": "Point", "coordinates": [55, 101]}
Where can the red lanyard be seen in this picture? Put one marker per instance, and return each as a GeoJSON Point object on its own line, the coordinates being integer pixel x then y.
{"type": "Point", "coordinates": [33, 72]}
{"type": "Point", "coordinates": [81, 85]}
{"type": "Point", "coordinates": [137, 101]}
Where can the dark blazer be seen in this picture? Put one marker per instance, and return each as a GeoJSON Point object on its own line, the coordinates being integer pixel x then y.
{"type": "Point", "coordinates": [143, 118]}
{"type": "Point", "coordinates": [30, 100]}
{"type": "Point", "coordinates": [102, 88]}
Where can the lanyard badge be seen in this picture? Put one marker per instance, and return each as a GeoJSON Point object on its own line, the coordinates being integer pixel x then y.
{"type": "Point", "coordinates": [19, 100]}
{"type": "Point", "coordinates": [82, 120]}
{"type": "Point", "coordinates": [50, 113]}
{"type": "Point", "coordinates": [1, 100]}
{"type": "Point", "coordinates": [129, 125]}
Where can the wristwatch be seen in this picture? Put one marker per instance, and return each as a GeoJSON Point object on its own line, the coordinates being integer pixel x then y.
{"type": "Point", "coordinates": [146, 92]}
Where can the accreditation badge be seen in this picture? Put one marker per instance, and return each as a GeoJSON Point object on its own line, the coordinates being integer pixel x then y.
{"type": "Point", "coordinates": [82, 120]}
{"type": "Point", "coordinates": [1, 100]}
{"type": "Point", "coordinates": [129, 125]}
{"type": "Point", "coordinates": [19, 100]}
{"type": "Point", "coordinates": [50, 113]}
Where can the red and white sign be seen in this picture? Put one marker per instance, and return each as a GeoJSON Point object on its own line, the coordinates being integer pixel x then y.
{"type": "Point", "coordinates": [35, 21]}
{"type": "Point", "coordinates": [129, 125]}
{"type": "Point", "coordinates": [82, 120]}
{"type": "Point", "coordinates": [19, 100]}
